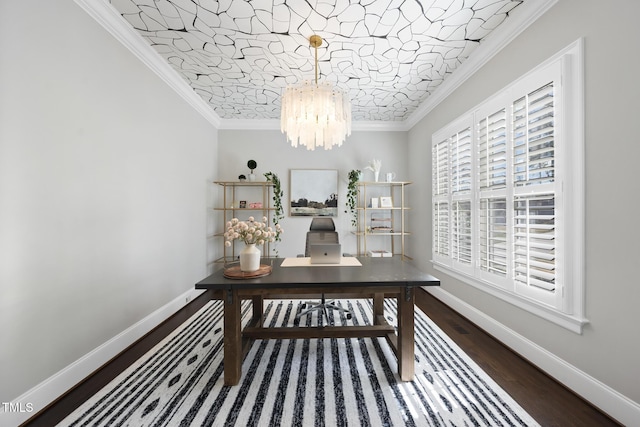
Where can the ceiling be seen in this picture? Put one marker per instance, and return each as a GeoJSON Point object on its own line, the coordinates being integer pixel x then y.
{"type": "Point", "coordinates": [388, 55]}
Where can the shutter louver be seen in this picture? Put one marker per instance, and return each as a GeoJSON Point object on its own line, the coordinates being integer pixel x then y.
{"type": "Point", "coordinates": [461, 232]}
{"type": "Point", "coordinates": [535, 241]}
{"type": "Point", "coordinates": [440, 170]}
{"type": "Point", "coordinates": [441, 228]}
{"type": "Point", "coordinates": [461, 161]}
{"type": "Point", "coordinates": [493, 236]}
{"type": "Point", "coordinates": [492, 151]}
{"type": "Point", "coordinates": [533, 132]}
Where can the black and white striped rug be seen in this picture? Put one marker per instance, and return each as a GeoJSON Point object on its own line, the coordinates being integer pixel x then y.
{"type": "Point", "coordinates": [331, 381]}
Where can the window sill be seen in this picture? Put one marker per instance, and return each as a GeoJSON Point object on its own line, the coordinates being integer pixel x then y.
{"type": "Point", "coordinates": [567, 321]}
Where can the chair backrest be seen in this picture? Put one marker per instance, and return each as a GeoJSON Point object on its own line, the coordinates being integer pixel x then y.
{"type": "Point", "coordinates": [321, 230]}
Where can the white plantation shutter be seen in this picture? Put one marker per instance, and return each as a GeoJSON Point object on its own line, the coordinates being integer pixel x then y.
{"type": "Point", "coordinates": [461, 161]}
{"type": "Point", "coordinates": [461, 180]}
{"type": "Point", "coordinates": [492, 151]}
{"type": "Point", "coordinates": [492, 167]}
{"type": "Point", "coordinates": [440, 168]}
{"type": "Point", "coordinates": [440, 191]}
{"type": "Point", "coordinates": [533, 137]}
{"type": "Point", "coordinates": [452, 179]}
{"type": "Point", "coordinates": [534, 224]}
{"type": "Point", "coordinates": [500, 217]}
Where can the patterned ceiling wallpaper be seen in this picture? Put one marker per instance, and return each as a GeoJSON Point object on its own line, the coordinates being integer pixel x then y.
{"type": "Point", "coordinates": [388, 55]}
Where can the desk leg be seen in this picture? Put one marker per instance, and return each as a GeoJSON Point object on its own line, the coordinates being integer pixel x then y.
{"type": "Point", "coordinates": [378, 307]}
{"type": "Point", "coordinates": [406, 335]}
{"type": "Point", "coordinates": [232, 338]}
{"type": "Point", "coordinates": [258, 310]}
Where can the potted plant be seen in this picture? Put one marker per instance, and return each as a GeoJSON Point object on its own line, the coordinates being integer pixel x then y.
{"type": "Point", "coordinates": [277, 201]}
{"type": "Point", "coordinates": [352, 195]}
{"type": "Point", "coordinates": [251, 164]}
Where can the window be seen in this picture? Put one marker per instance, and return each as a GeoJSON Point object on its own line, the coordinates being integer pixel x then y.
{"type": "Point", "coordinates": [507, 194]}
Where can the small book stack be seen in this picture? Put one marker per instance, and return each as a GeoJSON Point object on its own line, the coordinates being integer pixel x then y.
{"type": "Point", "coordinates": [379, 254]}
{"type": "Point", "coordinates": [381, 224]}
{"type": "Point", "coordinates": [381, 230]}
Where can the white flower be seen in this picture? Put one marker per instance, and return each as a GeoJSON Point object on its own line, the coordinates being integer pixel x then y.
{"type": "Point", "coordinates": [374, 165]}
{"type": "Point", "coordinates": [250, 231]}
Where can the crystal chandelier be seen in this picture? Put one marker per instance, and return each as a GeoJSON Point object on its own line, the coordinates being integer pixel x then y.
{"type": "Point", "coordinates": [313, 114]}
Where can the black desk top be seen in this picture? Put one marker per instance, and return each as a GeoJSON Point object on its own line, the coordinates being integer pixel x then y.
{"type": "Point", "coordinates": [391, 271]}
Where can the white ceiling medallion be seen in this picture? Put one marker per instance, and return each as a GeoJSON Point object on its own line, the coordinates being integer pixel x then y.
{"type": "Point", "coordinates": [315, 114]}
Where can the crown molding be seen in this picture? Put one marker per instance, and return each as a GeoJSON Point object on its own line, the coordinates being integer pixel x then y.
{"type": "Point", "coordinates": [274, 124]}
{"type": "Point", "coordinates": [523, 16]}
{"type": "Point", "coordinates": [389, 126]}
{"type": "Point", "coordinates": [110, 19]}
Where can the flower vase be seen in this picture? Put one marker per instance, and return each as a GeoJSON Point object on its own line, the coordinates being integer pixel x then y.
{"type": "Point", "coordinates": [250, 258]}
{"type": "Point", "coordinates": [376, 174]}
{"type": "Point", "coordinates": [252, 177]}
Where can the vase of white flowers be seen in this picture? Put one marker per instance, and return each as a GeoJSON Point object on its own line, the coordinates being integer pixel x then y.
{"type": "Point", "coordinates": [250, 258]}
{"type": "Point", "coordinates": [375, 166]}
{"type": "Point", "coordinates": [252, 233]}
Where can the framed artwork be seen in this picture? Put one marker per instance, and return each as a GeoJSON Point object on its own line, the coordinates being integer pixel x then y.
{"type": "Point", "coordinates": [385, 202]}
{"type": "Point", "coordinates": [313, 192]}
{"type": "Point", "coordinates": [243, 204]}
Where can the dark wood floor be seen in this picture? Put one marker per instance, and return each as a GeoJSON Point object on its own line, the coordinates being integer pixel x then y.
{"type": "Point", "coordinates": [547, 401]}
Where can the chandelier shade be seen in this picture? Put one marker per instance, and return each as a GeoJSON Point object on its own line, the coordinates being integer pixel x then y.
{"type": "Point", "coordinates": [315, 114]}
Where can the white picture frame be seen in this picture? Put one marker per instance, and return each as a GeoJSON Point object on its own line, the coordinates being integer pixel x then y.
{"type": "Point", "coordinates": [386, 202]}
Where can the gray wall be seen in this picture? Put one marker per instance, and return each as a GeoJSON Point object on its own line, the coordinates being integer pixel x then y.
{"type": "Point", "coordinates": [104, 175]}
{"type": "Point", "coordinates": [609, 348]}
{"type": "Point", "coordinates": [272, 152]}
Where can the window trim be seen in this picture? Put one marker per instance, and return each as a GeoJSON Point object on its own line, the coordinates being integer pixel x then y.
{"type": "Point", "coordinates": [570, 131]}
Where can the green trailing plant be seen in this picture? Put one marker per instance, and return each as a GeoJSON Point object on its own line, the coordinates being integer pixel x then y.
{"type": "Point", "coordinates": [278, 214]}
{"type": "Point", "coordinates": [352, 196]}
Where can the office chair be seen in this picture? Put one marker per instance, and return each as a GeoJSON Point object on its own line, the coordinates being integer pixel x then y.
{"type": "Point", "coordinates": [321, 230]}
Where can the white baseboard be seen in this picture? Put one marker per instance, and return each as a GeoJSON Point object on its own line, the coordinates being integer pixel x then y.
{"type": "Point", "coordinates": [34, 400]}
{"type": "Point", "coordinates": [609, 401]}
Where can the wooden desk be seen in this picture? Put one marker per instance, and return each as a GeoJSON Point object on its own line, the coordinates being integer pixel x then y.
{"type": "Point", "coordinates": [377, 277]}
